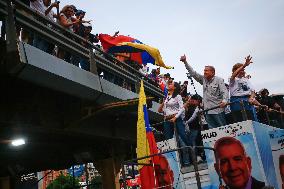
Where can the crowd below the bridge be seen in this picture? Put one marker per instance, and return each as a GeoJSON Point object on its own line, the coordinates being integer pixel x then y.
{"type": "Point", "coordinates": [221, 103]}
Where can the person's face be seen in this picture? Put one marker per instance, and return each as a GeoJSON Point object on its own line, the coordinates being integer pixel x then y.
{"type": "Point", "coordinates": [158, 71]}
{"type": "Point", "coordinates": [242, 73]}
{"type": "Point", "coordinates": [195, 102]}
{"type": "Point", "coordinates": [47, 3]}
{"type": "Point", "coordinates": [282, 172]}
{"type": "Point", "coordinates": [82, 15]}
{"type": "Point", "coordinates": [69, 12]}
{"type": "Point", "coordinates": [88, 30]}
{"type": "Point", "coordinates": [234, 166]}
{"type": "Point", "coordinates": [171, 86]}
{"type": "Point", "coordinates": [166, 78]}
{"type": "Point", "coordinates": [208, 73]}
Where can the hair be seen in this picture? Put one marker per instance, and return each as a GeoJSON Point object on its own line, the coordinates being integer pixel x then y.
{"type": "Point", "coordinates": [64, 9]}
{"type": "Point", "coordinates": [264, 91]}
{"type": "Point", "coordinates": [177, 89]}
{"type": "Point", "coordinates": [236, 66]}
{"type": "Point", "coordinates": [211, 67]}
{"type": "Point", "coordinates": [196, 97]}
{"type": "Point", "coordinates": [227, 141]}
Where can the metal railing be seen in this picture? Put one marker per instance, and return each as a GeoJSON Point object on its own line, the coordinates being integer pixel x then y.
{"type": "Point", "coordinates": [277, 120]}
{"type": "Point", "coordinates": [192, 154]}
{"type": "Point", "coordinates": [24, 17]}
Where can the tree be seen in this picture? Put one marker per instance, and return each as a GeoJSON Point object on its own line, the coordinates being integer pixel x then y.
{"type": "Point", "coordinates": [96, 183]}
{"type": "Point", "coordinates": [64, 182]}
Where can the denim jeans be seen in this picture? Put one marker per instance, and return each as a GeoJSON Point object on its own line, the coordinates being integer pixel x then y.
{"type": "Point", "coordinates": [236, 108]}
{"type": "Point", "coordinates": [192, 136]}
{"type": "Point", "coordinates": [215, 120]}
{"type": "Point", "coordinates": [184, 153]}
{"type": "Point", "coordinates": [169, 130]}
{"type": "Point", "coordinates": [84, 64]}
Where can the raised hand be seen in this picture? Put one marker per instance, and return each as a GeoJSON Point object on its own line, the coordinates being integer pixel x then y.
{"type": "Point", "coordinates": [183, 58]}
{"type": "Point", "coordinates": [248, 60]}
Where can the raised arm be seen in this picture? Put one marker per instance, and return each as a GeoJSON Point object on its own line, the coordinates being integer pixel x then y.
{"type": "Point", "coordinates": [198, 77]}
{"type": "Point", "coordinates": [247, 62]}
{"type": "Point", "coordinates": [55, 4]}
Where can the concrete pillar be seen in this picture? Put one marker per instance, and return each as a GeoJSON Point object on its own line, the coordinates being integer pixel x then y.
{"type": "Point", "coordinates": [5, 183]}
{"type": "Point", "coordinates": [109, 170]}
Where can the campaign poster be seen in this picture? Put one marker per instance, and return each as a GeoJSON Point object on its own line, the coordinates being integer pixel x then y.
{"type": "Point", "coordinates": [173, 161]}
{"type": "Point", "coordinates": [231, 136]}
{"type": "Point", "coordinates": [277, 147]}
{"type": "Point", "coordinates": [261, 133]}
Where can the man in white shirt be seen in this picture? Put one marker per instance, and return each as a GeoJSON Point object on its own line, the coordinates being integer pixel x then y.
{"type": "Point", "coordinates": [44, 7]}
{"type": "Point", "coordinates": [215, 94]}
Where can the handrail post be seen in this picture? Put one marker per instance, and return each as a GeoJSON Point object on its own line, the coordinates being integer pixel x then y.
{"type": "Point", "coordinates": [137, 85]}
{"type": "Point", "coordinates": [243, 110]}
{"type": "Point", "coordinates": [193, 158]}
{"type": "Point", "coordinates": [11, 34]}
{"type": "Point", "coordinates": [93, 65]}
{"type": "Point", "coordinates": [267, 117]}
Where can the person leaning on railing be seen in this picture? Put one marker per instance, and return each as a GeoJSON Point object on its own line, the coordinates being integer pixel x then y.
{"type": "Point", "coordinates": [67, 20]}
{"type": "Point", "coordinates": [268, 115]}
{"type": "Point", "coordinates": [44, 7]}
{"type": "Point", "coordinates": [242, 91]}
{"type": "Point", "coordinates": [173, 111]}
{"type": "Point", "coordinates": [172, 108]}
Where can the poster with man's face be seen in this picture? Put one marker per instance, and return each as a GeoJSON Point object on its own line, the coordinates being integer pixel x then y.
{"type": "Point", "coordinates": [237, 157]}
{"type": "Point", "coordinates": [277, 147]}
{"type": "Point", "coordinates": [173, 160]}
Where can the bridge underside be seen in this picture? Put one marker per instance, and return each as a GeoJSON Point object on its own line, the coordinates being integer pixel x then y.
{"type": "Point", "coordinates": [66, 117]}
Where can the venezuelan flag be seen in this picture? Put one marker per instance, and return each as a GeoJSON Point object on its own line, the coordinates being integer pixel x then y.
{"type": "Point", "coordinates": [140, 52]}
{"type": "Point", "coordinates": [146, 143]}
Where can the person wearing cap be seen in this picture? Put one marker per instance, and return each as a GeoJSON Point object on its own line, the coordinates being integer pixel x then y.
{"type": "Point", "coordinates": [89, 38]}
{"type": "Point", "coordinates": [215, 94]}
{"type": "Point", "coordinates": [79, 27]}
{"type": "Point", "coordinates": [192, 124]}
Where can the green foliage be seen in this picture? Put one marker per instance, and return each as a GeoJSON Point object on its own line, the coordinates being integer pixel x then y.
{"type": "Point", "coordinates": [96, 183]}
{"type": "Point", "coordinates": [64, 182]}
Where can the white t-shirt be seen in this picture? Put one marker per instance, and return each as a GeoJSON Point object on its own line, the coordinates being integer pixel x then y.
{"type": "Point", "coordinates": [39, 6]}
{"type": "Point", "coordinates": [50, 15]}
{"type": "Point", "coordinates": [174, 106]}
{"type": "Point", "coordinates": [143, 70]}
{"type": "Point", "coordinates": [240, 87]}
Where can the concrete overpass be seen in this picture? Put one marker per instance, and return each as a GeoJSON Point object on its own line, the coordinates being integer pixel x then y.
{"type": "Point", "coordinates": [66, 114]}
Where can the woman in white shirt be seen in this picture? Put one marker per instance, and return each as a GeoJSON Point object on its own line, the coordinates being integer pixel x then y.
{"type": "Point", "coordinates": [173, 110]}
{"type": "Point", "coordinates": [242, 90]}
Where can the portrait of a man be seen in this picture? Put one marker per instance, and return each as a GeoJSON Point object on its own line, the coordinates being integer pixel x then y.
{"type": "Point", "coordinates": [233, 165]}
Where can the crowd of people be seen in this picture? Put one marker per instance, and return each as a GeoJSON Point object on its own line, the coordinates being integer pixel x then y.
{"type": "Point", "coordinates": [221, 104]}
{"type": "Point", "coordinates": [73, 20]}
{"type": "Point", "coordinates": [69, 17]}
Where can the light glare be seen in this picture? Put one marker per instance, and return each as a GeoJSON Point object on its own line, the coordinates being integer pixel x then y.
{"type": "Point", "coordinates": [18, 142]}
